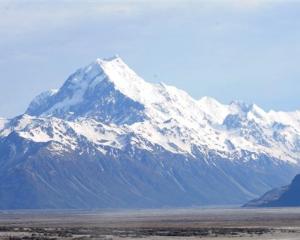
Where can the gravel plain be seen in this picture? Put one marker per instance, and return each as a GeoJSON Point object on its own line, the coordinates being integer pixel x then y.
{"type": "Point", "coordinates": [154, 224]}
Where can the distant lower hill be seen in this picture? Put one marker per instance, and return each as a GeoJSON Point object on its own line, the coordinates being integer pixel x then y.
{"type": "Point", "coordinates": [287, 196]}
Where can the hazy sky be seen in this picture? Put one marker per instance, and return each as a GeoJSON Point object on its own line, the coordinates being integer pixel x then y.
{"type": "Point", "coordinates": [227, 49]}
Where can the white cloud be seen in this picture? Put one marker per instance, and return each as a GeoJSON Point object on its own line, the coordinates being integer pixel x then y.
{"type": "Point", "coordinates": [19, 18]}
{"type": "Point", "coordinates": [251, 4]}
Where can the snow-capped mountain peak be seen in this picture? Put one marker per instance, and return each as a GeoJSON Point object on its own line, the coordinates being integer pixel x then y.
{"type": "Point", "coordinates": [126, 80]}
{"type": "Point", "coordinates": [111, 81]}
{"type": "Point", "coordinates": [92, 89]}
{"type": "Point", "coordinates": [110, 137]}
{"type": "Point", "coordinates": [110, 92]}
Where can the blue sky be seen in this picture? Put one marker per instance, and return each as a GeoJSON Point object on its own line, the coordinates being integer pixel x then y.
{"type": "Point", "coordinates": [227, 49]}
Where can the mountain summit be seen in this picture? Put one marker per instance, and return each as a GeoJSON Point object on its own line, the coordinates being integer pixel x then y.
{"type": "Point", "coordinates": [112, 139]}
{"type": "Point", "coordinates": [94, 91]}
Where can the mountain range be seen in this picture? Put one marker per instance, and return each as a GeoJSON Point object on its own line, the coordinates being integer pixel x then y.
{"type": "Point", "coordinates": [108, 139]}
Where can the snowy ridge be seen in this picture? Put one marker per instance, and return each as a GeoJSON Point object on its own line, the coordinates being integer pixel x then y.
{"type": "Point", "coordinates": [160, 114]}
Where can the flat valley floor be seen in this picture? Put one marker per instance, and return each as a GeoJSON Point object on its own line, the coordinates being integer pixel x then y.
{"type": "Point", "coordinates": [219, 224]}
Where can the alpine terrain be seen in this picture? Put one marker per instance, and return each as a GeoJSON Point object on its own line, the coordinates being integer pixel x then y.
{"type": "Point", "coordinates": [106, 138]}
